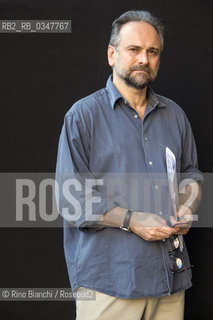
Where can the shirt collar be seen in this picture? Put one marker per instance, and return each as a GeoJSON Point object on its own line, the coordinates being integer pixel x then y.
{"type": "Point", "coordinates": [113, 92]}
{"type": "Point", "coordinates": [114, 95]}
{"type": "Point", "coordinates": [153, 99]}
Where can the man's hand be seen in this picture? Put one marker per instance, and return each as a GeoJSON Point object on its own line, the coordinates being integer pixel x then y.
{"type": "Point", "coordinates": [184, 214]}
{"type": "Point", "coordinates": [150, 226]}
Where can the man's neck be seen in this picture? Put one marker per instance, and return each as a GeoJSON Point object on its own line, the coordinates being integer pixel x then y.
{"type": "Point", "coordinates": [137, 98]}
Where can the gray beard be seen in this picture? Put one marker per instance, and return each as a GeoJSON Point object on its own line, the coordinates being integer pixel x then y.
{"type": "Point", "coordinates": [133, 81]}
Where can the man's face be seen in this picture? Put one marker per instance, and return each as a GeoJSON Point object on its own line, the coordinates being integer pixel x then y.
{"type": "Point", "coordinates": [136, 59]}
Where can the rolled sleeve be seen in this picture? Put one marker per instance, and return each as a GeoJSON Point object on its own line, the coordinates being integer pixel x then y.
{"type": "Point", "coordinates": [79, 201]}
{"type": "Point", "coordinates": [189, 161]}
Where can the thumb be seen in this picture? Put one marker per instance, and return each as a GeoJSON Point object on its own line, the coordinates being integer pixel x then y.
{"type": "Point", "coordinates": [173, 220]}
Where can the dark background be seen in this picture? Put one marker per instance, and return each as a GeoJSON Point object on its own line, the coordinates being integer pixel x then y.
{"type": "Point", "coordinates": [42, 75]}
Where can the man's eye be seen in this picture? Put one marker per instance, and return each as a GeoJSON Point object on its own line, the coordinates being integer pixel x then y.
{"type": "Point", "coordinates": [133, 49]}
{"type": "Point", "coordinates": [154, 53]}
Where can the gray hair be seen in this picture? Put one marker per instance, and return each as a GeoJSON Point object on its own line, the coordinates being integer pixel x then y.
{"type": "Point", "coordinates": [135, 15]}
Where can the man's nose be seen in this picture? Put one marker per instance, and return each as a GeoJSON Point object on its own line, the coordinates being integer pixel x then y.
{"type": "Point", "coordinates": [143, 58]}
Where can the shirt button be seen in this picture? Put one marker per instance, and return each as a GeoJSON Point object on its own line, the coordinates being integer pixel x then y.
{"type": "Point", "coordinates": [150, 163]}
{"type": "Point", "coordinates": [135, 116]}
{"type": "Point", "coordinates": [156, 187]}
{"type": "Point", "coordinates": [160, 213]}
{"type": "Point", "coordinates": [145, 138]}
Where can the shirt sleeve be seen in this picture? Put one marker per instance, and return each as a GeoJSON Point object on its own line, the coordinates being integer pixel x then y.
{"type": "Point", "coordinates": [189, 161]}
{"type": "Point", "coordinates": [79, 200]}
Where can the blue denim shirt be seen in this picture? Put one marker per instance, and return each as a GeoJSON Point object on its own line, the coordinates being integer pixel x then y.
{"type": "Point", "coordinates": [102, 134]}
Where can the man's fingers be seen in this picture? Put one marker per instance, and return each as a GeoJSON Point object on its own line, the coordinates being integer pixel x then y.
{"type": "Point", "coordinates": [151, 227]}
{"type": "Point", "coordinates": [183, 231]}
{"type": "Point", "coordinates": [182, 226]}
{"type": "Point", "coordinates": [184, 222]}
{"type": "Point", "coordinates": [160, 233]}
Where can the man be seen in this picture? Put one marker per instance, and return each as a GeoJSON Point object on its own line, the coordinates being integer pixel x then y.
{"type": "Point", "coordinates": [129, 250]}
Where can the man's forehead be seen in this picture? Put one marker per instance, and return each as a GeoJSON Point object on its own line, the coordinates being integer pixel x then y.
{"type": "Point", "coordinates": [137, 31]}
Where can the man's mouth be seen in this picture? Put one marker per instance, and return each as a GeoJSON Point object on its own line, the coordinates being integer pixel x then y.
{"type": "Point", "coordinates": [142, 71]}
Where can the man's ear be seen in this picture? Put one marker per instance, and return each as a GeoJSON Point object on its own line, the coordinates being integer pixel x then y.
{"type": "Point", "coordinates": [111, 55]}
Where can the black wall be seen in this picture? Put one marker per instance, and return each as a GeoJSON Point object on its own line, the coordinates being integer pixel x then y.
{"type": "Point", "coordinates": [42, 75]}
